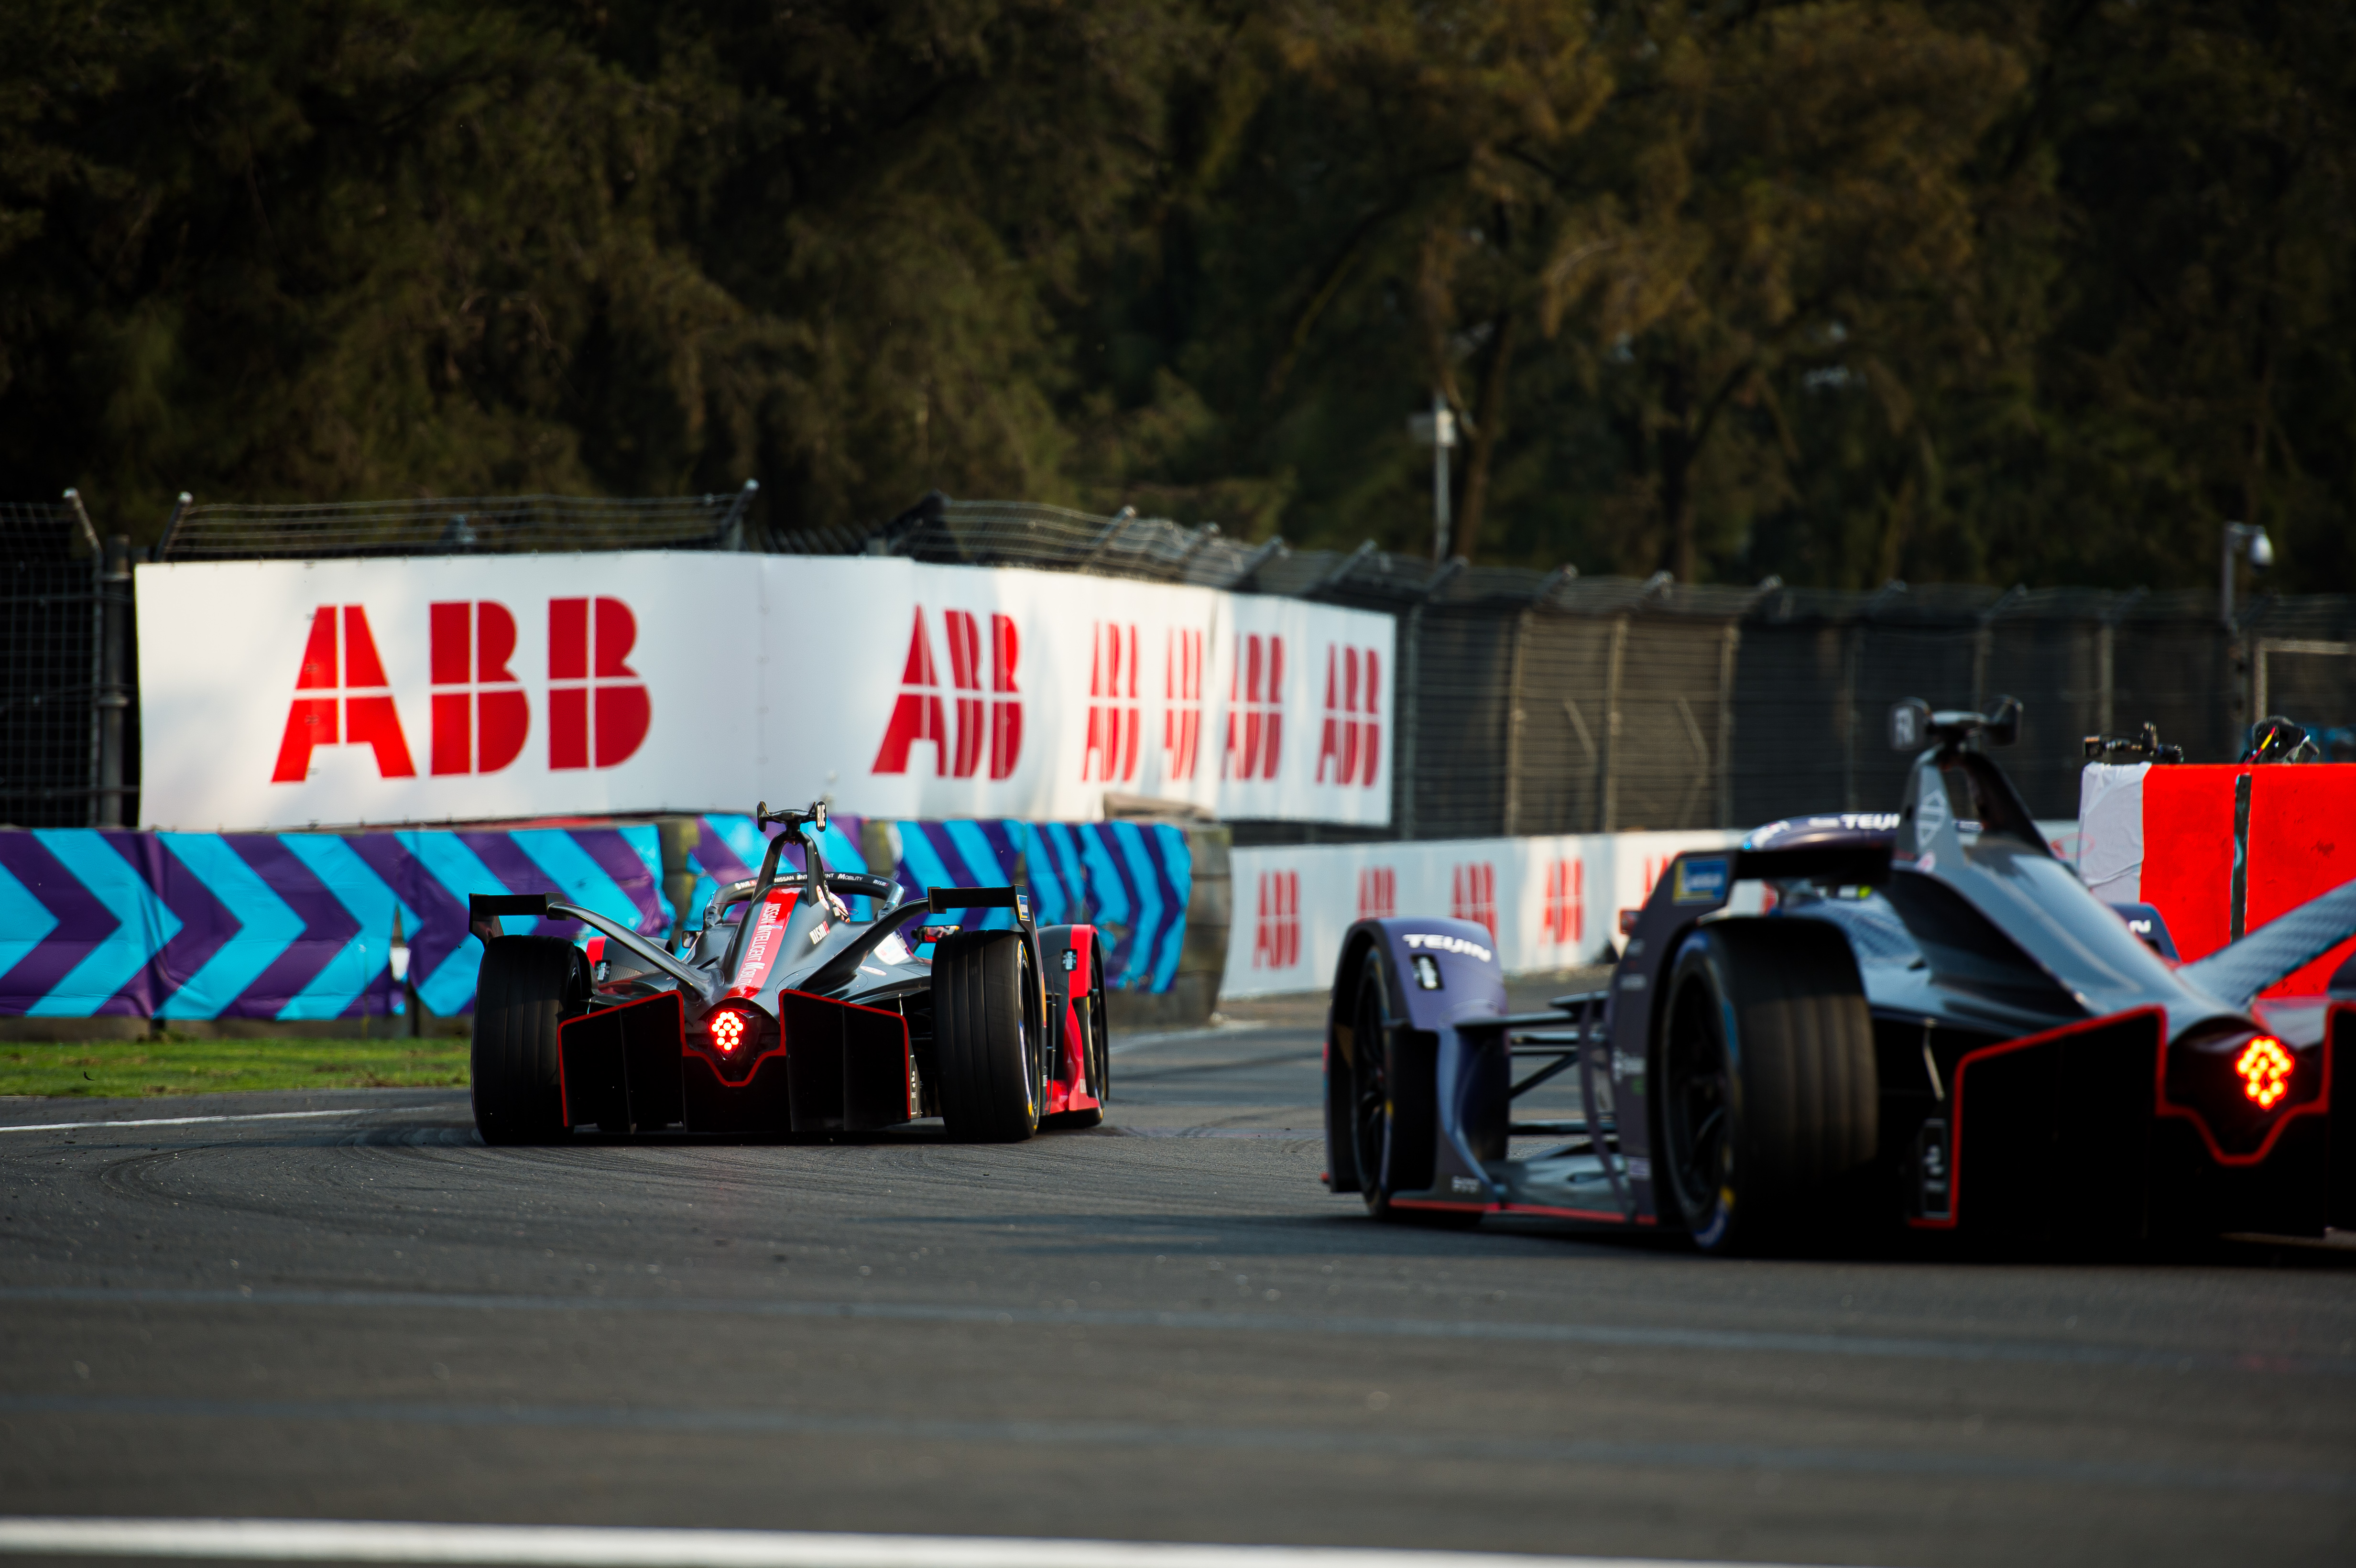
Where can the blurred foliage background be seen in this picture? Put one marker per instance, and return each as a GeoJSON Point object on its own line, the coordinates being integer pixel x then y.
{"type": "Point", "coordinates": [2038, 290]}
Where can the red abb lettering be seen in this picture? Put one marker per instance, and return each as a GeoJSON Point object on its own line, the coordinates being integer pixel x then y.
{"type": "Point", "coordinates": [598, 711]}
{"type": "Point", "coordinates": [480, 715]}
{"type": "Point", "coordinates": [1276, 937]}
{"type": "Point", "coordinates": [1352, 743]}
{"type": "Point", "coordinates": [1255, 707]}
{"type": "Point", "coordinates": [1111, 750]}
{"type": "Point", "coordinates": [1472, 895]}
{"type": "Point", "coordinates": [1564, 916]}
{"type": "Point", "coordinates": [1182, 694]}
{"type": "Point", "coordinates": [920, 713]}
{"type": "Point", "coordinates": [345, 700]}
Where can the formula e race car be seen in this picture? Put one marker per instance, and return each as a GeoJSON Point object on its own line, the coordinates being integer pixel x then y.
{"type": "Point", "coordinates": [1923, 1020]}
{"type": "Point", "coordinates": [787, 1015]}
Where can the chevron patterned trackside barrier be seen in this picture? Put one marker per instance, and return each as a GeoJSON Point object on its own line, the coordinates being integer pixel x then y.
{"type": "Point", "coordinates": [1131, 878]}
{"type": "Point", "coordinates": [299, 926]}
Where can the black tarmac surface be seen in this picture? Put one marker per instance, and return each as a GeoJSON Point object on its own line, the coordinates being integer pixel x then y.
{"type": "Point", "coordinates": [1162, 1329]}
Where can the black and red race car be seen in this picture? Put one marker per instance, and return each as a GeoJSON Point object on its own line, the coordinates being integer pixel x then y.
{"type": "Point", "coordinates": [787, 1015]}
{"type": "Point", "coordinates": [1927, 1021]}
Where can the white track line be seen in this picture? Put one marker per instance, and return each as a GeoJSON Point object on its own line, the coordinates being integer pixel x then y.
{"type": "Point", "coordinates": [559, 1546]}
{"type": "Point", "coordinates": [191, 1121]}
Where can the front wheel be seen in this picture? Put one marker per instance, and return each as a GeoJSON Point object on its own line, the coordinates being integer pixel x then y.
{"type": "Point", "coordinates": [989, 1038]}
{"type": "Point", "coordinates": [527, 987]}
{"type": "Point", "coordinates": [1769, 1110]}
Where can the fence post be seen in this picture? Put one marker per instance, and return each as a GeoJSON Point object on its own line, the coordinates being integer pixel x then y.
{"type": "Point", "coordinates": [1849, 714]}
{"type": "Point", "coordinates": [1513, 824]}
{"type": "Point", "coordinates": [114, 697]}
{"type": "Point", "coordinates": [1607, 785]}
{"type": "Point", "coordinates": [1729, 642]}
{"type": "Point", "coordinates": [1411, 687]}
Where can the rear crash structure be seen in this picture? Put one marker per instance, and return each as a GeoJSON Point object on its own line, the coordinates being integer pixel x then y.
{"type": "Point", "coordinates": [787, 1015]}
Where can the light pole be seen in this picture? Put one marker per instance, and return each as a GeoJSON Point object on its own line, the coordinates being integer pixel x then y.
{"type": "Point", "coordinates": [404, 1000]}
{"type": "Point", "coordinates": [1437, 430]}
{"type": "Point", "coordinates": [2240, 538]}
{"type": "Point", "coordinates": [2251, 539]}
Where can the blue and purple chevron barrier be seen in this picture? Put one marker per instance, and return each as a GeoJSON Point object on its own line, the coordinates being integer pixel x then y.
{"type": "Point", "coordinates": [299, 926]}
{"type": "Point", "coordinates": [283, 925]}
{"type": "Point", "coordinates": [1132, 880]}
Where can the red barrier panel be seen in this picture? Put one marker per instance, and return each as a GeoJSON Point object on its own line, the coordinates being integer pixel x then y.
{"type": "Point", "coordinates": [2226, 850]}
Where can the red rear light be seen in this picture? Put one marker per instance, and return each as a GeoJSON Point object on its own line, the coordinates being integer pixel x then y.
{"type": "Point", "coordinates": [2264, 1069]}
{"type": "Point", "coordinates": [730, 1028]}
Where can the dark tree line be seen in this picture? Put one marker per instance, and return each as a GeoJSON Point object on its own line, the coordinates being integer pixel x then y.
{"type": "Point", "coordinates": [2039, 290]}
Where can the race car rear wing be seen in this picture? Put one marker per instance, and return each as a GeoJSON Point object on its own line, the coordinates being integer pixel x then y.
{"type": "Point", "coordinates": [484, 909]}
{"type": "Point", "coordinates": [940, 901]}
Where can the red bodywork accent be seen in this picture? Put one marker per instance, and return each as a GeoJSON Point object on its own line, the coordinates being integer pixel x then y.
{"type": "Point", "coordinates": [1546, 1212]}
{"type": "Point", "coordinates": [764, 942]}
{"type": "Point", "coordinates": [2006, 1048]}
{"type": "Point", "coordinates": [1068, 1088]}
{"type": "Point", "coordinates": [713, 1067]}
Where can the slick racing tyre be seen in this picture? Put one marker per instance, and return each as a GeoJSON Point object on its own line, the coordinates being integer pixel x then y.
{"type": "Point", "coordinates": [1769, 1096]}
{"type": "Point", "coordinates": [1095, 1044]}
{"type": "Point", "coordinates": [988, 1037]}
{"type": "Point", "coordinates": [1392, 1095]}
{"type": "Point", "coordinates": [526, 986]}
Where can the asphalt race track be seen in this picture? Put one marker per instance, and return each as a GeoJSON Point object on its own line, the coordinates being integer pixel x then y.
{"type": "Point", "coordinates": [1162, 1329]}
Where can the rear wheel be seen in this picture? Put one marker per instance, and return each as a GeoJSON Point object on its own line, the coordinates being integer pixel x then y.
{"type": "Point", "coordinates": [527, 987]}
{"type": "Point", "coordinates": [1769, 1107]}
{"type": "Point", "coordinates": [987, 1037]}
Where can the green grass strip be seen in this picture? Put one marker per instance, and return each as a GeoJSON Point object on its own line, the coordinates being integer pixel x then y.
{"type": "Point", "coordinates": [145, 1067]}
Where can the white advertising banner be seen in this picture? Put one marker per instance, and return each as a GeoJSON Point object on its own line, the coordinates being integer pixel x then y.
{"type": "Point", "coordinates": [287, 694]}
{"type": "Point", "coordinates": [1549, 903]}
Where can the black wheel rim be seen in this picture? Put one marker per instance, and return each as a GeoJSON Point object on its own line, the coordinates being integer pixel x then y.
{"type": "Point", "coordinates": [1369, 1081]}
{"type": "Point", "coordinates": [1696, 1114]}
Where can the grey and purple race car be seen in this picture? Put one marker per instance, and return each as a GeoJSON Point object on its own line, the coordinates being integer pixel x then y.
{"type": "Point", "coordinates": [786, 1014]}
{"type": "Point", "coordinates": [1925, 1021]}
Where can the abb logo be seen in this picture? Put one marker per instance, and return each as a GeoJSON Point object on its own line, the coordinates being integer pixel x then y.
{"type": "Point", "coordinates": [341, 700]}
{"type": "Point", "coordinates": [598, 711]}
{"type": "Point", "coordinates": [1377, 893]}
{"type": "Point", "coordinates": [480, 715]}
{"type": "Point", "coordinates": [1181, 693]}
{"type": "Point", "coordinates": [921, 714]}
{"type": "Point", "coordinates": [1352, 744]}
{"type": "Point", "coordinates": [1255, 707]}
{"type": "Point", "coordinates": [1113, 724]}
{"type": "Point", "coordinates": [1472, 895]}
{"type": "Point", "coordinates": [1276, 937]}
{"type": "Point", "coordinates": [1563, 916]}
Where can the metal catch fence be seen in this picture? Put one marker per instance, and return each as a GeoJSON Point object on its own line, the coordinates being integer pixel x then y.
{"type": "Point", "coordinates": [1528, 702]}
{"type": "Point", "coordinates": [66, 740]}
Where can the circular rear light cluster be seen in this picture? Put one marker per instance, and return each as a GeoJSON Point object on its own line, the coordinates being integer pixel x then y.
{"type": "Point", "coordinates": [730, 1028]}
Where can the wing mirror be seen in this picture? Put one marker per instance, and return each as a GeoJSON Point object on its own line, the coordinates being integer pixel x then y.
{"type": "Point", "coordinates": [1910, 725]}
{"type": "Point", "coordinates": [2002, 726]}
{"type": "Point", "coordinates": [1913, 726]}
